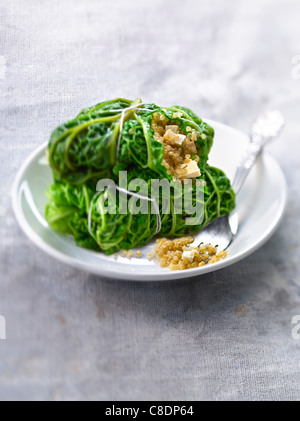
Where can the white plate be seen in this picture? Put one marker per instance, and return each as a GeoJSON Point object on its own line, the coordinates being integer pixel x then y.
{"type": "Point", "coordinates": [260, 205]}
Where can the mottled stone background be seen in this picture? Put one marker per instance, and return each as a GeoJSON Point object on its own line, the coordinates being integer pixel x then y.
{"type": "Point", "coordinates": [71, 335]}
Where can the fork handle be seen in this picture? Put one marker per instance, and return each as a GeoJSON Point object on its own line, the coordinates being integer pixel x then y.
{"type": "Point", "coordinates": [253, 150]}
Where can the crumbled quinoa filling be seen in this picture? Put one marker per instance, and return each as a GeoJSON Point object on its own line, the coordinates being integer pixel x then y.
{"type": "Point", "coordinates": [179, 255]}
{"type": "Point", "coordinates": [180, 150]}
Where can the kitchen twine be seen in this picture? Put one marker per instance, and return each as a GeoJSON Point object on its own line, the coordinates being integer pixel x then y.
{"type": "Point", "coordinates": [123, 112]}
{"type": "Point", "coordinates": [128, 192]}
{"type": "Point", "coordinates": [120, 189]}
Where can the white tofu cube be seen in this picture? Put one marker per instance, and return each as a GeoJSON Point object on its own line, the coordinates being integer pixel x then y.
{"type": "Point", "coordinates": [192, 170]}
{"type": "Point", "coordinates": [173, 137]}
{"type": "Point", "coordinates": [180, 138]}
{"type": "Point", "coordinates": [188, 255]}
{"type": "Point", "coordinates": [174, 129]}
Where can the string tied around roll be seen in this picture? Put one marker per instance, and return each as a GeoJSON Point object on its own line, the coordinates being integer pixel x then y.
{"type": "Point", "coordinates": [130, 193]}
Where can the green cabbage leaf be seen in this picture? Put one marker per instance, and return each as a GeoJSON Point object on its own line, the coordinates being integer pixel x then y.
{"type": "Point", "coordinates": [116, 136]}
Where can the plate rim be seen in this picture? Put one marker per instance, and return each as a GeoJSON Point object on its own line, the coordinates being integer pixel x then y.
{"type": "Point", "coordinates": [136, 276]}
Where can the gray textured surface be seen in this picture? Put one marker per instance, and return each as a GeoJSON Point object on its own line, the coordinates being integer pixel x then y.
{"type": "Point", "coordinates": [71, 335]}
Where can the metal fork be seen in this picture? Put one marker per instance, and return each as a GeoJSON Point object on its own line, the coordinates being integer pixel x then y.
{"type": "Point", "coordinates": [267, 126]}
